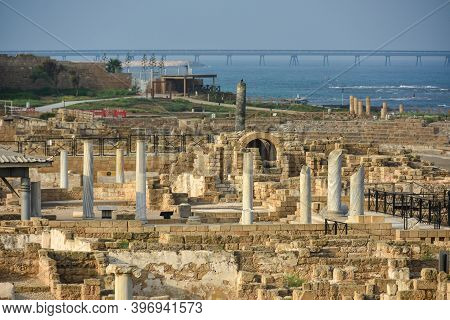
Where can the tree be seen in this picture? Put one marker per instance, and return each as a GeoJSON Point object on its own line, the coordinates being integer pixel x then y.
{"type": "Point", "coordinates": [144, 62]}
{"type": "Point", "coordinates": [75, 78]}
{"type": "Point", "coordinates": [114, 66]}
{"type": "Point", "coordinates": [48, 71]}
{"type": "Point", "coordinates": [127, 62]}
{"type": "Point", "coordinates": [161, 65]}
{"type": "Point", "coordinates": [152, 61]}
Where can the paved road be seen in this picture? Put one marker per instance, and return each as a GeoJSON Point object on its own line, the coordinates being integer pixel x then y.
{"type": "Point", "coordinates": [50, 107]}
{"type": "Point", "coordinates": [215, 104]}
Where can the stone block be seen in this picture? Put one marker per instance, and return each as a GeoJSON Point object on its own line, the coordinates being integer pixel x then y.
{"type": "Point", "coordinates": [7, 291]}
{"type": "Point", "coordinates": [428, 274]}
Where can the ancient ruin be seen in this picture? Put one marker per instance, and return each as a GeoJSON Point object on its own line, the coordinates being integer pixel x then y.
{"type": "Point", "coordinates": [341, 206]}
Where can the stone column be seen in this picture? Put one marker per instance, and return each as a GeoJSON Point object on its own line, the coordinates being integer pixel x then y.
{"type": "Point", "coordinates": [241, 101]}
{"type": "Point", "coordinates": [63, 170]}
{"type": "Point", "coordinates": [36, 199]}
{"type": "Point", "coordinates": [355, 105]}
{"type": "Point", "coordinates": [305, 195]}
{"type": "Point", "coordinates": [123, 283]}
{"type": "Point", "coordinates": [25, 195]}
{"type": "Point", "coordinates": [247, 189]}
{"type": "Point", "coordinates": [120, 175]}
{"type": "Point", "coordinates": [350, 104]}
{"type": "Point", "coordinates": [360, 108]}
{"type": "Point", "coordinates": [357, 193]}
{"type": "Point", "coordinates": [401, 108]}
{"type": "Point", "coordinates": [368, 106]}
{"type": "Point", "coordinates": [88, 180]}
{"type": "Point", "coordinates": [141, 181]}
{"type": "Point", "coordinates": [334, 182]}
{"type": "Point", "coordinates": [384, 110]}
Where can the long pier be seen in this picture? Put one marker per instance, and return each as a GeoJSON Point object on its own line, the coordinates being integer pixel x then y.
{"type": "Point", "coordinates": [196, 53]}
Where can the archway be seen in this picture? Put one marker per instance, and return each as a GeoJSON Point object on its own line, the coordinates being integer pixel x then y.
{"type": "Point", "coordinates": [267, 149]}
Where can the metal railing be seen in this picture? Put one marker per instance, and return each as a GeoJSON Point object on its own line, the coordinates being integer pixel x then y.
{"type": "Point", "coordinates": [431, 208]}
{"type": "Point", "coordinates": [106, 146]}
{"type": "Point", "coordinates": [335, 227]}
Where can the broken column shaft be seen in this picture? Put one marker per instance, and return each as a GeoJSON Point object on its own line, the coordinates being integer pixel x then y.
{"type": "Point", "coordinates": [241, 101]}
{"type": "Point", "coordinates": [88, 180]}
{"type": "Point", "coordinates": [247, 188]}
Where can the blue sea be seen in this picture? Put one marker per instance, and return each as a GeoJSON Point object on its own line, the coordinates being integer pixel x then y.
{"type": "Point", "coordinates": [427, 85]}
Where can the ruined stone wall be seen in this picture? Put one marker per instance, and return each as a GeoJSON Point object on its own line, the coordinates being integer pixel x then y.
{"type": "Point", "coordinates": [184, 274]}
{"type": "Point", "coordinates": [19, 262]}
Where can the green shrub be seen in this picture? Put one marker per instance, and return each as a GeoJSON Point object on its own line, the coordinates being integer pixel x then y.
{"type": "Point", "coordinates": [123, 244]}
{"type": "Point", "coordinates": [47, 115]}
{"type": "Point", "coordinates": [292, 281]}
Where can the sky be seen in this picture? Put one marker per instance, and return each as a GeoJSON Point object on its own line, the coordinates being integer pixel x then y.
{"type": "Point", "coordinates": [224, 24]}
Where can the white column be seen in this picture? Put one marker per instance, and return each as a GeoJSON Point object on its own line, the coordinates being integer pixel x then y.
{"type": "Point", "coordinates": [120, 176]}
{"type": "Point", "coordinates": [25, 195]}
{"type": "Point", "coordinates": [350, 104]}
{"type": "Point", "coordinates": [123, 286]}
{"type": "Point", "coordinates": [247, 189]}
{"type": "Point", "coordinates": [368, 106]}
{"type": "Point", "coordinates": [123, 283]}
{"type": "Point", "coordinates": [36, 199]}
{"type": "Point", "coordinates": [141, 181]}
{"type": "Point", "coordinates": [357, 193]}
{"type": "Point", "coordinates": [305, 195]}
{"type": "Point", "coordinates": [63, 170]}
{"type": "Point", "coordinates": [88, 181]}
{"type": "Point", "coordinates": [334, 182]}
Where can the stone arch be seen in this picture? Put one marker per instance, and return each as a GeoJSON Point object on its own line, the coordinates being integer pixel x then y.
{"type": "Point", "coordinates": [267, 150]}
{"type": "Point", "coordinates": [270, 147]}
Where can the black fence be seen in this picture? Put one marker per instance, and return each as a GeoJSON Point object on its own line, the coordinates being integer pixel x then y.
{"type": "Point", "coordinates": [431, 208]}
{"type": "Point", "coordinates": [107, 146]}
{"type": "Point", "coordinates": [335, 227]}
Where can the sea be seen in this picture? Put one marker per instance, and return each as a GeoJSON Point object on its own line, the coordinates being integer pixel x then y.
{"type": "Point", "coordinates": [415, 86]}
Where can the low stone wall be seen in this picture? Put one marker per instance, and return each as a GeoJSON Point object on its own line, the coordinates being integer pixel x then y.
{"type": "Point", "coordinates": [429, 236]}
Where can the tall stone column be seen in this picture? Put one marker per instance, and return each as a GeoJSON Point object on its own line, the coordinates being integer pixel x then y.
{"type": "Point", "coordinates": [123, 283]}
{"type": "Point", "coordinates": [141, 181]}
{"type": "Point", "coordinates": [368, 105]}
{"type": "Point", "coordinates": [247, 189]}
{"type": "Point", "coordinates": [355, 105]}
{"type": "Point", "coordinates": [334, 182]}
{"type": "Point", "coordinates": [350, 105]}
{"type": "Point", "coordinates": [120, 175]}
{"type": "Point", "coordinates": [360, 108]}
{"type": "Point", "coordinates": [384, 110]}
{"type": "Point", "coordinates": [88, 180]}
{"type": "Point", "coordinates": [241, 101]}
{"type": "Point", "coordinates": [401, 108]}
{"type": "Point", "coordinates": [357, 193]}
{"type": "Point", "coordinates": [305, 195]}
{"type": "Point", "coordinates": [36, 199]}
{"type": "Point", "coordinates": [63, 170]}
{"type": "Point", "coordinates": [25, 195]}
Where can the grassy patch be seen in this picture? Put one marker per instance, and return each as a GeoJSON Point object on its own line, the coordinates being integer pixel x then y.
{"type": "Point", "coordinates": [123, 244]}
{"type": "Point", "coordinates": [292, 281]}
{"type": "Point", "coordinates": [427, 255]}
{"type": "Point", "coordinates": [292, 107]}
{"type": "Point", "coordinates": [154, 106]}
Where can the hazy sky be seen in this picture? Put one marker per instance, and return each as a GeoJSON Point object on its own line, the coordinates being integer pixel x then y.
{"type": "Point", "coordinates": [224, 24]}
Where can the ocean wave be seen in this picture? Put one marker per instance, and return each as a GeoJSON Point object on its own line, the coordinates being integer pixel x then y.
{"type": "Point", "coordinates": [402, 86]}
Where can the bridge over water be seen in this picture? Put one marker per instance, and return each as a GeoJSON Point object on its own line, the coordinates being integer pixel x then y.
{"type": "Point", "coordinates": [294, 55]}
